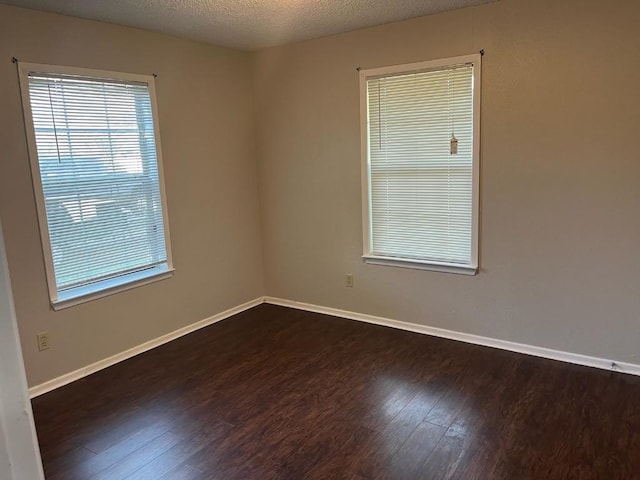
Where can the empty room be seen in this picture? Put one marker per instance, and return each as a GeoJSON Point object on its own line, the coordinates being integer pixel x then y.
{"type": "Point", "coordinates": [319, 239]}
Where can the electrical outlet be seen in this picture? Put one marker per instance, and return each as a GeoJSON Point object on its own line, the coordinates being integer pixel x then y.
{"type": "Point", "coordinates": [348, 280]}
{"type": "Point", "coordinates": [43, 341]}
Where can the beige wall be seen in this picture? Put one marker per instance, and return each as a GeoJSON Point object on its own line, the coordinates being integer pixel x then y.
{"type": "Point", "coordinates": [560, 174]}
{"type": "Point", "coordinates": [207, 134]}
{"type": "Point", "coordinates": [560, 179]}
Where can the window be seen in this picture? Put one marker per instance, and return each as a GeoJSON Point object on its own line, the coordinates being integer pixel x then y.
{"type": "Point", "coordinates": [420, 137]}
{"type": "Point", "coordinates": [97, 174]}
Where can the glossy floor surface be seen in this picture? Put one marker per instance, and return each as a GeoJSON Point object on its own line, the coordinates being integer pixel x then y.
{"type": "Point", "coordinates": [275, 393]}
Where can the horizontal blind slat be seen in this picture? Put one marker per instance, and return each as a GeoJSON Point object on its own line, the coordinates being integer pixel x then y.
{"type": "Point", "coordinates": [99, 173]}
{"type": "Point", "coordinates": [421, 194]}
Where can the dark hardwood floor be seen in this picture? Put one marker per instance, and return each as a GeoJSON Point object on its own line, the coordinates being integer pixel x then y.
{"type": "Point", "coordinates": [275, 393]}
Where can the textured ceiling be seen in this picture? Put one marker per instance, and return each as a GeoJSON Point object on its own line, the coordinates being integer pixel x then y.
{"type": "Point", "coordinates": [247, 24]}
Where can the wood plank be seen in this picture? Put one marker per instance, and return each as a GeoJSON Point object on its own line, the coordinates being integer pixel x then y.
{"type": "Point", "coordinates": [279, 393]}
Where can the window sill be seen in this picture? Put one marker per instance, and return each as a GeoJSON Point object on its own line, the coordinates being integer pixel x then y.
{"type": "Point", "coordinates": [420, 265]}
{"type": "Point", "coordinates": [87, 293]}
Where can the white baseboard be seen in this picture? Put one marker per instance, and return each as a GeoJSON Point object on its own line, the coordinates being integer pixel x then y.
{"type": "Point", "coordinates": [602, 363]}
{"type": "Point", "coordinates": [132, 352]}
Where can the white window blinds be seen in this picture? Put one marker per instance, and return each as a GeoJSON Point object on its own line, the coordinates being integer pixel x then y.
{"type": "Point", "coordinates": [420, 165]}
{"type": "Point", "coordinates": [99, 175]}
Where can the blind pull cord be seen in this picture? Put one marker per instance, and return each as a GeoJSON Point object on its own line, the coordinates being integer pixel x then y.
{"type": "Point", "coordinates": [453, 143]}
{"type": "Point", "coordinates": [53, 117]}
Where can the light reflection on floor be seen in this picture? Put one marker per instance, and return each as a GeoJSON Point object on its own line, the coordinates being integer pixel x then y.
{"type": "Point", "coordinates": [406, 404]}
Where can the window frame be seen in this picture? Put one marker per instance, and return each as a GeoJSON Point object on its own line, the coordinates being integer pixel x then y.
{"type": "Point", "coordinates": [115, 284]}
{"type": "Point", "coordinates": [403, 69]}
